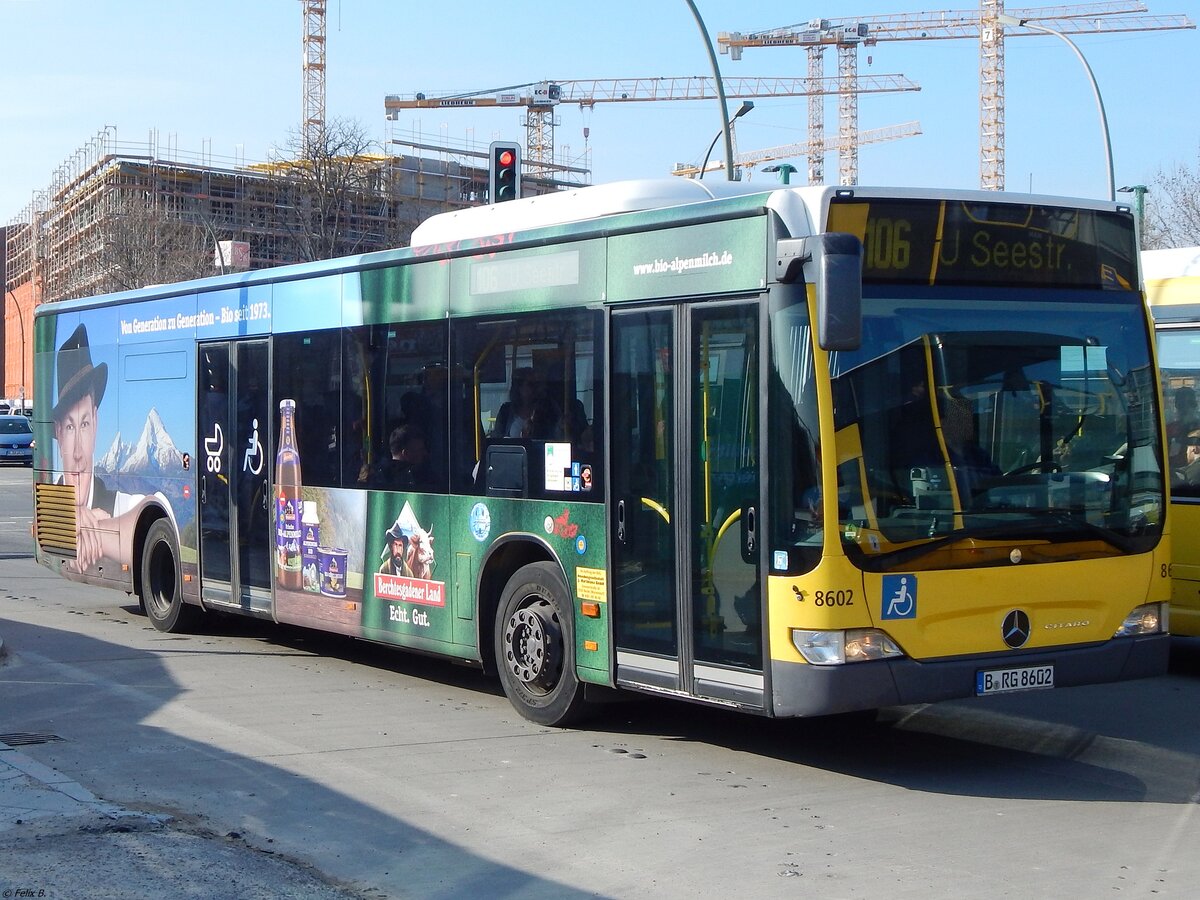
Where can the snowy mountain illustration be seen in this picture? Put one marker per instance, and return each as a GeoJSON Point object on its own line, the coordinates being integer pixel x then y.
{"type": "Point", "coordinates": [153, 452]}
{"type": "Point", "coordinates": [110, 460]}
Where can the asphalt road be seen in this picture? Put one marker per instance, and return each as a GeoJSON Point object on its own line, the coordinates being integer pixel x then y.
{"type": "Point", "coordinates": [393, 775]}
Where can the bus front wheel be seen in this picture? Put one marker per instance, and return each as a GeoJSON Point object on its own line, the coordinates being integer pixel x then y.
{"type": "Point", "coordinates": [162, 594]}
{"type": "Point", "coordinates": [535, 646]}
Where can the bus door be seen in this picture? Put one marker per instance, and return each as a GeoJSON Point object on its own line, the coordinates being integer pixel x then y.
{"type": "Point", "coordinates": [234, 433]}
{"type": "Point", "coordinates": [685, 495]}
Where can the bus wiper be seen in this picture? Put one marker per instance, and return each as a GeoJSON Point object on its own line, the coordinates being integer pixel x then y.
{"type": "Point", "coordinates": [1025, 527]}
{"type": "Point", "coordinates": [1061, 517]}
{"type": "Point", "coordinates": [907, 554]}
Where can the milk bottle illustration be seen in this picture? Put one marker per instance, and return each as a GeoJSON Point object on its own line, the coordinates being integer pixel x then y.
{"type": "Point", "coordinates": [287, 501]}
{"type": "Point", "coordinates": [310, 540]}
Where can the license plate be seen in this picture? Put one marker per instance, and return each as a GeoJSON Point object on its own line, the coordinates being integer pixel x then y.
{"type": "Point", "coordinates": [1004, 681]}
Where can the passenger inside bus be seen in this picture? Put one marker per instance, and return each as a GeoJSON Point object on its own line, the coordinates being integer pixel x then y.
{"type": "Point", "coordinates": [1187, 418]}
{"type": "Point", "coordinates": [920, 461]}
{"type": "Point", "coordinates": [405, 467]}
{"type": "Point", "coordinates": [913, 445]}
{"type": "Point", "coordinates": [1188, 475]}
{"type": "Point", "coordinates": [426, 408]}
{"type": "Point", "coordinates": [973, 467]}
{"type": "Point", "coordinates": [573, 425]}
{"type": "Point", "coordinates": [529, 412]}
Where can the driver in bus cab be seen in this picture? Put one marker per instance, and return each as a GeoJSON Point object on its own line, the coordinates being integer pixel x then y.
{"type": "Point", "coordinates": [100, 512]}
{"type": "Point", "coordinates": [1188, 475]}
{"type": "Point", "coordinates": [1187, 418]}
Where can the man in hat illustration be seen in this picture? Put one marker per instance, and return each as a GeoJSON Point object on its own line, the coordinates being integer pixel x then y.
{"type": "Point", "coordinates": [80, 389]}
{"type": "Point", "coordinates": [396, 551]}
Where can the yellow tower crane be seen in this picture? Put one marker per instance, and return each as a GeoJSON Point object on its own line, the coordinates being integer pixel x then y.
{"type": "Point", "coordinates": [312, 121]}
{"type": "Point", "coordinates": [804, 148]}
{"type": "Point", "coordinates": [542, 97]}
{"type": "Point", "coordinates": [849, 34]}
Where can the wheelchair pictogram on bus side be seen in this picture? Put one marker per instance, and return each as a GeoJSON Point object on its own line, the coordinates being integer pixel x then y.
{"type": "Point", "coordinates": [899, 599]}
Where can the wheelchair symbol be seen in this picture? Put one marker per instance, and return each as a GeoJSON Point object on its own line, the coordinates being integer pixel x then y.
{"type": "Point", "coordinates": [900, 596]}
{"type": "Point", "coordinates": [252, 460]}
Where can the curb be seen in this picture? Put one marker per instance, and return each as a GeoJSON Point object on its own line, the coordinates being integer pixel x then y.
{"type": "Point", "coordinates": [30, 790]}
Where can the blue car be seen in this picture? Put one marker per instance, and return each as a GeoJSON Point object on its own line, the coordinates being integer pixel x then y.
{"type": "Point", "coordinates": [16, 440]}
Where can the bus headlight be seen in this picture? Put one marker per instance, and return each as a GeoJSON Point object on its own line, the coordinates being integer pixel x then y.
{"type": "Point", "coordinates": [1149, 618]}
{"type": "Point", "coordinates": [835, 648]}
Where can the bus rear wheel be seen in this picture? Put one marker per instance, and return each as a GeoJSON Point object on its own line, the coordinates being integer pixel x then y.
{"type": "Point", "coordinates": [162, 583]}
{"type": "Point", "coordinates": [535, 647]}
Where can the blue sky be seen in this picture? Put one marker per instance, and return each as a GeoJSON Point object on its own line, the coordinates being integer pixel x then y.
{"type": "Point", "coordinates": [223, 78]}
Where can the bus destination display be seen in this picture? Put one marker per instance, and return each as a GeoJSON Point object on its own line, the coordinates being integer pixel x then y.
{"type": "Point", "coordinates": [944, 242]}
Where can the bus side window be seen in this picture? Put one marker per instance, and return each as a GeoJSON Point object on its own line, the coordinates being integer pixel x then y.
{"type": "Point", "coordinates": [1179, 359]}
{"type": "Point", "coordinates": [307, 369]}
{"type": "Point", "coordinates": [535, 380]}
{"type": "Point", "coordinates": [793, 445]}
{"type": "Point", "coordinates": [404, 365]}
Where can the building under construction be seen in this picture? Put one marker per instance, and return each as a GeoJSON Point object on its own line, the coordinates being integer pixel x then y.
{"type": "Point", "coordinates": [120, 216]}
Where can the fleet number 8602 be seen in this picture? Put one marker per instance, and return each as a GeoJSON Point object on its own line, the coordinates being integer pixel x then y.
{"type": "Point", "coordinates": [834, 598]}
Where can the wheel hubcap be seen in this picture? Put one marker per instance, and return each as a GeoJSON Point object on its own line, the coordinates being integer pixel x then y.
{"type": "Point", "coordinates": [533, 642]}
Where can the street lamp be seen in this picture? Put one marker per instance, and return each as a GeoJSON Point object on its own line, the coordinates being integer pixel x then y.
{"type": "Point", "coordinates": [218, 255]}
{"type": "Point", "coordinates": [746, 106]}
{"type": "Point", "coordinates": [785, 171]}
{"type": "Point", "coordinates": [1004, 19]}
{"type": "Point", "coordinates": [712, 58]}
{"type": "Point", "coordinates": [1139, 192]}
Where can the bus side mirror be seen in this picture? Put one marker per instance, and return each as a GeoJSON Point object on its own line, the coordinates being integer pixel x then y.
{"type": "Point", "coordinates": [832, 263]}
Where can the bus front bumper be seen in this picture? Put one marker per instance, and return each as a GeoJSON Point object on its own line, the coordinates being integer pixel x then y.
{"type": "Point", "coordinates": [804, 690]}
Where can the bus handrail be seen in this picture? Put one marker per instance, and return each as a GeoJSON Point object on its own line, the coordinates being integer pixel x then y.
{"type": "Point", "coordinates": [658, 508]}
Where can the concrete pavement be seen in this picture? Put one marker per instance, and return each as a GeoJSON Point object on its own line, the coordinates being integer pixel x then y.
{"type": "Point", "coordinates": [58, 839]}
{"type": "Point", "coordinates": [29, 791]}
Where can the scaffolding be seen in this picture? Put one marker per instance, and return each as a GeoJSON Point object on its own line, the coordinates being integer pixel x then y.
{"type": "Point", "coordinates": [61, 245]}
{"type": "Point", "coordinates": [59, 240]}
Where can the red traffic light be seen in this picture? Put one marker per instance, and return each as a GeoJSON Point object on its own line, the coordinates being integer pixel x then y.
{"type": "Point", "coordinates": [504, 171]}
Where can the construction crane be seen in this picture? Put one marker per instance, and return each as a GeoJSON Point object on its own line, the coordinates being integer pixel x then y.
{"type": "Point", "coordinates": [542, 97]}
{"type": "Point", "coordinates": [312, 121]}
{"type": "Point", "coordinates": [804, 148]}
{"type": "Point", "coordinates": [851, 33]}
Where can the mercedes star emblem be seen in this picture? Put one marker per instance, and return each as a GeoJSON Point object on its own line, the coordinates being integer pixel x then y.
{"type": "Point", "coordinates": [1015, 629]}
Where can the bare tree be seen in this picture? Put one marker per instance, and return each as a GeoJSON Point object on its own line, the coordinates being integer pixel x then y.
{"type": "Point", "coordinates": [339, 198]}
{"type": "Point", "coordinates": [1173, 209]}
{"type": "Point", "coordinates": [145, 244]}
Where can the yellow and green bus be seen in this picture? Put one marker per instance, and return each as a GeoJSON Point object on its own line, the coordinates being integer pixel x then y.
{"type": "Point", "coordinates": [794, 451]}
{"type": "Point", "coordinates": [1173, 290]}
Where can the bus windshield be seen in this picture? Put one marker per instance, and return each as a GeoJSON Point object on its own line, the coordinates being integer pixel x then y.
{"type": "Point", "coordinates": [963, 440]}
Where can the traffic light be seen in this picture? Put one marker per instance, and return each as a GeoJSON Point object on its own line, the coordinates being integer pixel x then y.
{"type": "Point", "coordinates": [504, 171]}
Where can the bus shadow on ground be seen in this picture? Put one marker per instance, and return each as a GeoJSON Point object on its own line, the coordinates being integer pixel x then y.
{"type": "Point", "coordinates": [1131, 741]}
{"type": "Point", "coordinates": [321, 644]}
{"type": "Point", "coordinates": [108, 692]}
{"type": "Point", "coordinates": [1185, 657]}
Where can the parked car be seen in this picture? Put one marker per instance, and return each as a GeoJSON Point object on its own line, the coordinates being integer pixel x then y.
{"type": "Point", "coordinates": [16, 439]}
